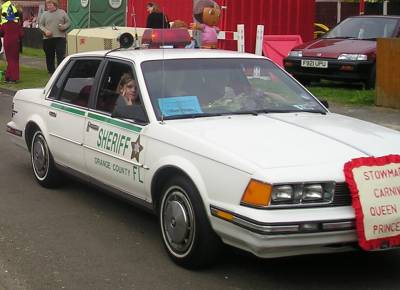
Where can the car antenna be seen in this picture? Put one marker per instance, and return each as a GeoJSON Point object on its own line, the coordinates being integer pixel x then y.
{"type": "Point", "coordinates": [136, 42]}
{"type": "Point", "coordinates": [163, 79]}
{"type": "Point", "coordinates": [112, 50]}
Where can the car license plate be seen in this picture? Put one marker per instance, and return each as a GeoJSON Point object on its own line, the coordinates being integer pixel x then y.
{"type": "Point", "coordinates": [314, 63]}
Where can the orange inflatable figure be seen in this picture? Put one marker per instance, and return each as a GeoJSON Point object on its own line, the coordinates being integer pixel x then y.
{"type": "Point", "coordinates": [207, 13]}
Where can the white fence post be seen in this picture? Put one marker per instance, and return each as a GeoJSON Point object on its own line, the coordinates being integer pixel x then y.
{"type": "Point", "coordinates": [385, 7]}
{"type": "Point", "coordinates": [234, 35]}
{"type": "Point", "coordinates": [259, 39]}
{"type": "Point", "coordinates": [240, 39]}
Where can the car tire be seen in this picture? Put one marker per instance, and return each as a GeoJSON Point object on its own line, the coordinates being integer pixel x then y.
{"type": "Point", "coordinates": [370, 82]}
{"type": "Point", "coordinates": [186, 231]}
{"type": "Point", "coordinates": [42, 162]}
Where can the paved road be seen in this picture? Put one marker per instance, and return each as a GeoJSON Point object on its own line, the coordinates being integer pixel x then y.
{"type": "Point", "coordinates": [77, 237]}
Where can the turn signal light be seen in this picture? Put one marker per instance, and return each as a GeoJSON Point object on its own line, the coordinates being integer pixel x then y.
{"type": "Point", "coordinates": [224, 215]}
{"type": "Point", "coordinates": [257, 194]}
{"type": "Point", "coordinates": [347, 67]}
{"type": "Point", "coordinates": [288, 64]}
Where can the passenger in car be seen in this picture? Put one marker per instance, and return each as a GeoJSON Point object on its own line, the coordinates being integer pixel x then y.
{"type": "Point", "coordinates": [127, 105]}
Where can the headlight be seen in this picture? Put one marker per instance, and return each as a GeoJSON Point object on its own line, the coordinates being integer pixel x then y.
{"type": "Point", "coordinates": [302, 193]}
{"type": "Point", "coordinates": [282, 193]}
{"type": "Point", "coordinates": [296, 53]}
{"type": "Point", "coordinates": [260, 194]}
{"type": "Point", "coordinates": [312, 193]}
{"type": "Point", "coordinates": [348, 56]}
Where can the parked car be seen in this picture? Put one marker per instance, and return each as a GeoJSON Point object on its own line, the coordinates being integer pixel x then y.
{"type": "Point", "coordinates": [346, 53]}
{"type": "Point", "coordinates": [221, 146]}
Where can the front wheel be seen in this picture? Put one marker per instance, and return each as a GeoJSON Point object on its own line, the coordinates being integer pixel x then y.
{"type": "Point", "coordinates": [42, 162]}
{"type": "Point", "coordinates": [186, 232]}
{"type": "Point", "coordinates": [370, 82]}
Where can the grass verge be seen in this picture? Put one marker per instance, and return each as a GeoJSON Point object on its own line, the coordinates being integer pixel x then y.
{"type": "Point", "coordinates": [33, 52]}
{"type": "Point", "coordinates": [345, 94]}
{"type": "Point", "coordinates": [29, 78]}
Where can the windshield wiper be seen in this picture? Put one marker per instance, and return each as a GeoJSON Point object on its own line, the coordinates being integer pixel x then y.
{"type": "Point", "coordinates": [340, 37]}
{"type": "Point", "coordinates": [249, 112]}
{"type": "Point", "coordinates": [191, 116]}
{"type": "Point", "coordinates": [267, 111]}
{"type": "Point", "coordinates": [369, 38]}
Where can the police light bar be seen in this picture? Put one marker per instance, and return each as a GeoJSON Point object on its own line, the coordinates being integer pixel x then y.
{"type": "Point", "coordinates": [166, 38]}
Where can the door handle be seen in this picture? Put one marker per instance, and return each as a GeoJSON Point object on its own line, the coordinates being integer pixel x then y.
{"type": "Point", "coordinates": [90, 125]}
{"type": "Point", "coordinates": [52, 114]}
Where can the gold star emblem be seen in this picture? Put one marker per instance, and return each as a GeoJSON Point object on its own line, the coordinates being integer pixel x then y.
{"type": "Point", "coordinates": [136, 149]}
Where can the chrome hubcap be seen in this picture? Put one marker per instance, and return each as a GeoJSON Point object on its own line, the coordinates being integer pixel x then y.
{"type": "Point", "coordinates": [178, 221]}
{"type": "Point", "coordinates": [39, 157]}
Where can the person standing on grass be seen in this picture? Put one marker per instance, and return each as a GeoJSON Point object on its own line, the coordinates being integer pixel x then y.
{"type": "Point", "coordinates": [53, 23]}
{"type": "Point", "coordinates": [12, 34]}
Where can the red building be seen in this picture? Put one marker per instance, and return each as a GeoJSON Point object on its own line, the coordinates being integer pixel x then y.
{"type": "Point", "coordinates": [277, 16]}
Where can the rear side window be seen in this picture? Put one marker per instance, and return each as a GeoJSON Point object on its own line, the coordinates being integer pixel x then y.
{"type": "Point", "coordinates": [78, 84]}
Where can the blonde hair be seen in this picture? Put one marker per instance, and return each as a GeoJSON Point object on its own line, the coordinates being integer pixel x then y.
{"type": "Point", "coordinates": [124, 80]}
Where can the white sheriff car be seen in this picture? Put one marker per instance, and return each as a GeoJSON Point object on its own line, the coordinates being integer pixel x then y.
{"type": "Point", "coordinates": [222, 146]}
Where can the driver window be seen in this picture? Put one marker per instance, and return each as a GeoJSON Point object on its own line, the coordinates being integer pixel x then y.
{"type": "Point", "coordinates": [119, 93]}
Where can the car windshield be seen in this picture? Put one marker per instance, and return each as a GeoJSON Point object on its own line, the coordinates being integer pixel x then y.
{"type": "Point", "coordinates": [363, 28]}
{"type": "Point", "coordinates": [192, 88]}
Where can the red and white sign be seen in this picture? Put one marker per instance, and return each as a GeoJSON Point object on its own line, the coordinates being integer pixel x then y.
{"type": "Point", "coordinates": [375, 188]}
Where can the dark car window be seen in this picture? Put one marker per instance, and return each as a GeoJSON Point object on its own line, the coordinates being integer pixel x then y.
{"type": "Point", "coordinates": [78, 84]}
{"type": "Point", "coordinates": [108, 96]}
{"type": "Point", "coordinates": [364, 28]}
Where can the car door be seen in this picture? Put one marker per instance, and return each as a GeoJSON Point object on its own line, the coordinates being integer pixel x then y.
{"type": "Point", "coordinates": [114, 147]}
{"type": "Point", "coordinates": [67, 111]}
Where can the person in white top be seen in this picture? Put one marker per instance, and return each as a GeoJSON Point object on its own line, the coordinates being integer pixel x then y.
{"type": "Point", "coordinates": [53, 23]}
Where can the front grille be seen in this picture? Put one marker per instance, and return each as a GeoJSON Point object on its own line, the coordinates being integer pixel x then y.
{"type": "Point", "coordinates": [342, 195]}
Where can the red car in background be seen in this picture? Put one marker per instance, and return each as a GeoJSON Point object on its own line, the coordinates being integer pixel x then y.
{"type": "Point", "coordinates": [347, 52]}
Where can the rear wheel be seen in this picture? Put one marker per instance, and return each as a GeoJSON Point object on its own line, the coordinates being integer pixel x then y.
{"type": "Point", "coordinates": [42, 162]}
{"type": "Point", "coordinates": [185, 228]}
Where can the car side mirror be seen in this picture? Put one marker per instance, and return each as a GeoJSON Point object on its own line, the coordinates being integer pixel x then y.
{"type": "Point", "coordinates": [325, 103]}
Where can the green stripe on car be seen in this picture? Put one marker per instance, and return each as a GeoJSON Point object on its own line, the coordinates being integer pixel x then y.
{"type": "Point", "coordinates": [68, 109]}
{"type": "Point", "coordinates": [115, 122]}
{"type": "Point", "coordinates": [96, 117]}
